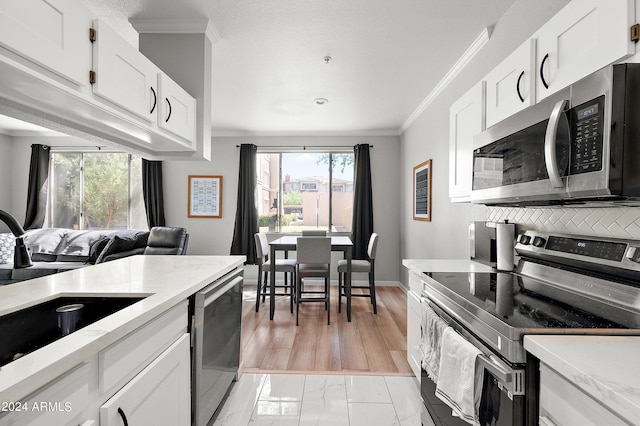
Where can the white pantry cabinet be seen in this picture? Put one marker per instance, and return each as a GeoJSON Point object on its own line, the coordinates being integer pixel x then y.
{"type": "Point", "coordinates": [160, 394]}
{"type": "Point", "coordinates": [466, 119]}
{"type": "Point", "coordinates": [511, 85]}
{"type": "Point", "coordinates": [563, 404]}
{"type": "Point", "coordinates": [583, 37]}
{"type": "Point", "coordinates": [50, 33]}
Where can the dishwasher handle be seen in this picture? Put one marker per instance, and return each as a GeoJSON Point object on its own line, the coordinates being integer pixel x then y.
{"type": "Point", "coordinates": [211, 293]}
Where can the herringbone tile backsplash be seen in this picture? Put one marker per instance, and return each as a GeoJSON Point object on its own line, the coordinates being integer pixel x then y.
{"type": "Point", "coordinates": [615, 222]}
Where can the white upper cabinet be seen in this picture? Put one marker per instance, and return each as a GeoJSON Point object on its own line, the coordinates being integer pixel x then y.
{"type": "Point", "coordinates": [176, 109]}
{"type": "Point", "coordinates": [583, 37]}
{"type": "Point", "coordinates": [123, 75]}
{"type": "Point", "coordinates": [510, 86]}
{"type": "Point", "coordinates": [466, 119]}
{"type": "Point", "coordinates": [51, 33]}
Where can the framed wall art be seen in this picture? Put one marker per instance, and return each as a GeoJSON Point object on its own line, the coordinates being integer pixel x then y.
{"type": "Point", "coordinates": [205, 196]}
{"type": "Point", "coordinates": [422, 191]}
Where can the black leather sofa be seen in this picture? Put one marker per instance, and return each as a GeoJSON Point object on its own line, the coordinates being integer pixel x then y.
{"type": "Point", "coordinates": [56, 250]}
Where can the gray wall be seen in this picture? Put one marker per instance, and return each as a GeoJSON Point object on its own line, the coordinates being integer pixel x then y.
{"type": "Point", "coordinates": [213, 236]}
{"type": "Point", "coordinates": [5, 177]}
{"type": "Point", "coordinates": [446, 236]}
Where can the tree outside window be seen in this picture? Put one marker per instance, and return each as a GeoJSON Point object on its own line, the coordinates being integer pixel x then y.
{"type": "Point", "coordinates": [96, 191]}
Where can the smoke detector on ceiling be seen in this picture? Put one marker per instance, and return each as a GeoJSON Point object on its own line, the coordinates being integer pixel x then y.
{"type": "Point", "coordinates": [320, 101]}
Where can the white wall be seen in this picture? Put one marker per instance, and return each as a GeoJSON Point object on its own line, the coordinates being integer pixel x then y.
{"type": "Point", "coordinates": [446, 236]}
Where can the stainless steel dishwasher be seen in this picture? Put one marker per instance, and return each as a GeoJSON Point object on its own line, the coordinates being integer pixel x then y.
{"type": "Point", "coordinates": [215, 334]}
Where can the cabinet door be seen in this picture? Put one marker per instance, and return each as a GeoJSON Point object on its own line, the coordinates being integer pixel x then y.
{"type": "Point", "coordinates": [124, 76]}
{"type": "Point", "coordinates": [563, 404]}
{"type": "Point", "coordinates": [466, 119]}
{"type": "Point", "coordinates": [583, 37]}
{"type": "Point", "coordinates": [510, 86]}
{"type": "Point", "coordinates": [414, 333]}
{"type": "Point", "coordinates": [160, 394]}
{"type": "Point", "coordinates": [51, 33]}
{"type": "Point", "coordinates": [177, 109]}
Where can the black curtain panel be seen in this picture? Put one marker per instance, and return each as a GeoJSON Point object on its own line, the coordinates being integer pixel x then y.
{"type": "Point", "coordinates": [38, 187]}
{"type": "Point", "coordinates": [362, 223]}
{"type": "Point", "coordinates": [246, 225]}
{"type": "Point", "coordinates": [152, 192]}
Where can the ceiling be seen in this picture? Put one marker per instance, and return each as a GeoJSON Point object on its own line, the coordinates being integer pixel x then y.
{"type": "Point", "coordinates": [268, 66]}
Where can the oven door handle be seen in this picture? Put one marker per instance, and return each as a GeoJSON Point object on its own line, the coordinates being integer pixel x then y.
{"type": "Point", "coordinates": [497, 370]}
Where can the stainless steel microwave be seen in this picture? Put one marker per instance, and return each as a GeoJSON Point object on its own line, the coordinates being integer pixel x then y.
{"type": "Point", "coordinates": [580, 145]}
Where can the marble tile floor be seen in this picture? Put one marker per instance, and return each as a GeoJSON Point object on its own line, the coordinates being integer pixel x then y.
{"type": "Point", "coordinates": [340, 400]}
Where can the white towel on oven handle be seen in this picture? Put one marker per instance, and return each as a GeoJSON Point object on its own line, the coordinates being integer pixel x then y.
{"type": "Point", "coordinates": [459, 381]}
{"type": "Point", "coordinates": [432, 329]}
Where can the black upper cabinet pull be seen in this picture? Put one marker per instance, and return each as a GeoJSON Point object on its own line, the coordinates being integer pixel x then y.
{"type": "Point", "coordinates": [124, 418]}
{"type": "Point", "coordinates": [544, 82]}
{"type": "Point", "coordinates": [155, 100]}
{"type": "Point", "coordinates": [168, 116]}
{"type": "Point", "coordinates": [518, 87]}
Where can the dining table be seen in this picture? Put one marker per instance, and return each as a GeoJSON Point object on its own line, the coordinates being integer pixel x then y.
{"type": "Point", "coordinates": [288, 243]}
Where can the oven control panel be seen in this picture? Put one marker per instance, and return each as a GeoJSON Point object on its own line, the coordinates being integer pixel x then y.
{"type": "Point", "coordinates": [597, 250]}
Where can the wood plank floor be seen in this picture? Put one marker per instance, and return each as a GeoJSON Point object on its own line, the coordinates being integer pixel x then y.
{"type": "Point", "coordinates": [369, 344]}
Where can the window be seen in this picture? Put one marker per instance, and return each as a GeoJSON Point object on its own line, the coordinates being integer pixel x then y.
{"type": "Point", "coordinates": [307, 190]}
{"type": "Point", "coordinates": [96, 190]}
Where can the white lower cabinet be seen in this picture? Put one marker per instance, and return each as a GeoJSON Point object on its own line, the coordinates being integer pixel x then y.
{"type": "Point", "coordinates": [159, 395]}
{"type": "Point", "coordinates": [69, 400]}
{"type": "Point", "coordinates": [564, 404]}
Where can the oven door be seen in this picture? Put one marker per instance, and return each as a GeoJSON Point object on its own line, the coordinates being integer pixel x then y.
{"type": "Point", "coordinates": [503, 392]}
{"type": "Point", "coordinates": [216, 329]}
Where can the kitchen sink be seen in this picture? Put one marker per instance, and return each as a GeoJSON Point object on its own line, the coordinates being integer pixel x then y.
{"type": "Point", "coordinates": [32, 328]}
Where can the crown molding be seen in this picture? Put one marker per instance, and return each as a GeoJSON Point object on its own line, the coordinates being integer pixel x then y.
{"type": "Point", "coordinates": [462, 62]}
{"type": "Point", "coordinates": [177, 26]}
{"type": "Point", "coordinates": [232, 133]}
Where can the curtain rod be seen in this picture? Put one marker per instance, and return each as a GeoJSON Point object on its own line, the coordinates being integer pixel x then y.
{"type": "Point", "coordinates": [305, 147]}
{"type": "Point", "coordinates": [81, 147]}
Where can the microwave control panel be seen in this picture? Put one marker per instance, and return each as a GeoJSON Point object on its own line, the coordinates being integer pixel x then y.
{"type": "Point", "coordinates": [587, 129]}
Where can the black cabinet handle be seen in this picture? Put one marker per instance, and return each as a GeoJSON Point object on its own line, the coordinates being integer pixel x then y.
{"type": "Point", "coordinates": [168, 116]}
{"type": "Point", "coordinates": [544, 82]}
{"type": "Point", "coordinates": [155, 100]}
{"type": "Point", "coordinates": [518, 87]}
{"type": "Point", "coordinates": [124, 418]}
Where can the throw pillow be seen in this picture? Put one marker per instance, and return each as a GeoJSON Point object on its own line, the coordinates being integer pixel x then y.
{"type": "Point", "coordinates": [96, 248]}
{"type": "Point", "coordinates": [7, 244]}
{"type": "Point", "coordinates": [116, 244]}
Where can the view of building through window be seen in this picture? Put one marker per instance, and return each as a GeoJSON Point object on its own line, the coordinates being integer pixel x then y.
{"type": "Point", "coordinates": [305, 190]}
{"type": "Point", "coordinates": [96, 190]}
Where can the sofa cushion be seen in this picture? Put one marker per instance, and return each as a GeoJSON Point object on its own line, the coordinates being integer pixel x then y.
{"type": "Point", "coordinates": [115, 245]}
{"type": "Point", "coordinates": [77, 243]}
{"type": "Point", "coordinates": [44, 241]}
{"type": "Point", "coordinates": [7, 244]}
{"type": "Point", "coordinates": [96, 248]}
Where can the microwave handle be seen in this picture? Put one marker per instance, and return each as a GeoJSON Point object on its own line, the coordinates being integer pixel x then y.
{"type": "Point", "coordinates": [550, 139]}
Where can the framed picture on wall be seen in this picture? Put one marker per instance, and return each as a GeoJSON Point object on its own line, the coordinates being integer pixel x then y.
{"type": "Point", "coordinates": [422, 191]}
{"type": "Point", "coordinates": [205, 196]}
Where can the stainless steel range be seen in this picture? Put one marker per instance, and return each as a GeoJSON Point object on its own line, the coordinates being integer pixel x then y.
{"type": "Point", "coordinates": [562, 285]}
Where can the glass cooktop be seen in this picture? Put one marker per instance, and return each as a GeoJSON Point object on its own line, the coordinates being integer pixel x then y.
{"type": "Point", "coordinates": [523, 302]}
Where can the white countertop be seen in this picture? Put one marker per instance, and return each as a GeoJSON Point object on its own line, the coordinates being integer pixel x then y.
{"type": "Point", "coordinates": [604, 367]}
{"type": "Point", "coordinates": [166, 280]}
{"type": "Point", "coordinates": [445, 265]}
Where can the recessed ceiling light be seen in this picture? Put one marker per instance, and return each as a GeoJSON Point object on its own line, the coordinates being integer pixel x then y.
{"type": "Point", "coordinates": [320, 101]}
